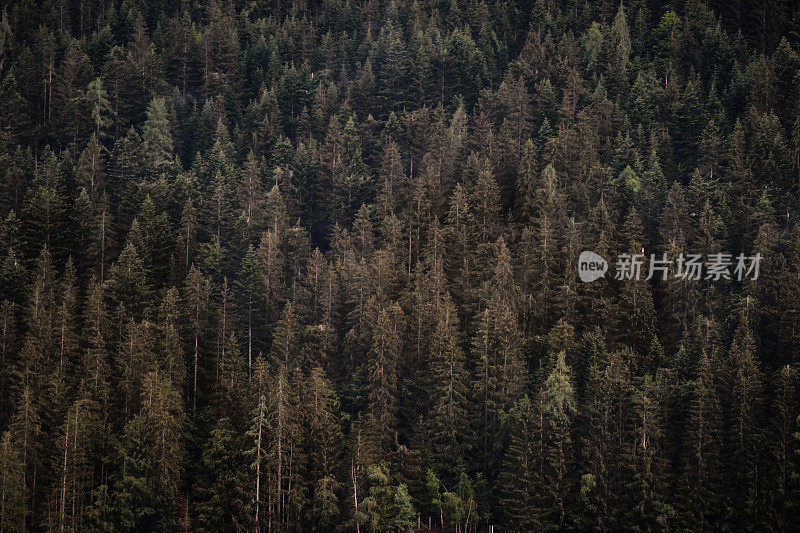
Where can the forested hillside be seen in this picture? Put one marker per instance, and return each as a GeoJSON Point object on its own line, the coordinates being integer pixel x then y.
{"type": "Point", "coordinates": [312, 265]}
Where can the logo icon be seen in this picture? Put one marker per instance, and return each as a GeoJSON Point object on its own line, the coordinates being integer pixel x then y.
{"type": "Point", "coordinates": [591, 266]}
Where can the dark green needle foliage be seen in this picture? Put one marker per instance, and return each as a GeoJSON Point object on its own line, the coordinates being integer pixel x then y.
{"type": "Point", "coordinates": [297, 266]}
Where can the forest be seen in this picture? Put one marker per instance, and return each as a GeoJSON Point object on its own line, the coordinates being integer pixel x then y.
{"type": "Point", "coordinates": [313, 265]}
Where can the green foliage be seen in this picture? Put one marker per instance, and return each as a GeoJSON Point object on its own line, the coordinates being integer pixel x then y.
{"type": "Point", "coordinates": [403, 510]}
{"type": "Point", "coordinates": [311, 266]}
{"type": "Point", "coordinates": [12, 496]}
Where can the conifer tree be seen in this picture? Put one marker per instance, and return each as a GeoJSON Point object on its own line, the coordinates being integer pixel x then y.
{"type": "Point", "coordinates": [499, 373]}
{"type": "Point", "coordinates": [322, 438]}
{"type": "Point", "coordinates": [25, 428]}
{"type": "Point", "coordinates": [636, 306]}
{"type": "Point", "coordinates": [285, 346]}
{"type": "Point", "coordinates": [608, 416]}
{"type": "Point", "coordinates": [648, 457]}
{"type": "Point", "coordinates": [45, 207]}
{"type": "Point", "coordinates": [12, 495]}
{"type": "Point", "coordinates": [559, 410]}
{"type": "Point", "coordinates": [449, 413]}
{"type": "Point", "coordinates": [403, 510]}
{"type": "Point", "coordinates": [524, 461]}
{"type": "Point", "coordinates": [283, 440]}
{"type": "Point", "coordinates": [174, 363]}
{"type": "Point", "coordinates": [73, 457]}
{"type": "Point", "coordinates": [250, 291]}
{"type": "Point", "coordinates": [310, 266]}
{"type": "Point", "coordinates": [484, 199]}
{"type": "Point", "coordinates": [145, 492]}
{"type": "Point", "coordinates": [223, 498]}
{"type": "Point", "coordinates": [782, 445]}
{"type": "Point", "coordinates": [128, 283]}
{"type": "Point", "coordinates": [95, 365]}
{"type": "Point", "coordinates": [542, 242]}
{"type": "Point", "coordinates": [91, 166]}
{"type": "Point", "coordinates": [196, 292]}
{"type": "Point", "coordinates": [250, 191]}
{"type": "Point", "coordinates": [702, 474]}
{"type": "Point", "coordinates": [745, 436]}
{"type": "Point", "coordinates": [382, 369]}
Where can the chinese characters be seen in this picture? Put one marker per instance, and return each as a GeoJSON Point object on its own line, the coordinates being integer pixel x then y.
{"type": "Point", "coordinates": [712, 267]}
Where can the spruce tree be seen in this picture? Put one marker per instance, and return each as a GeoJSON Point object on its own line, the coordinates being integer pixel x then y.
{"type": "Point", "coordinates": [746, 437]}
{"type": "Point", "coordinates": [522, 480]}
{"type": "Point", "coordinates": [702, 474]}
{"type": "Point", "coordinates": [382, 369]}
{"type": "Point", "coordinates": [559, 410]}
{"type": "Point", "coordinates": [196, 293]}
{"type": "Point", "coordinates": [608, 411]}
{"type": "Point", "coordinates": [13, 509]}
{"type": "Point", "coordinates": [448, 378]}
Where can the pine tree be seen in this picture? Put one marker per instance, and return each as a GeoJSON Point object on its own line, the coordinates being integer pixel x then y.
{"type": "Point", "coordinates": [514, 101]}
{"type": "Point", "coordinates": [223, 499]}
{"type": "Point", "coordinates": [196, 292]}
{"type": "Point", "coordinates": [101, 113]}
{"type": "Point", "coordinates": [187, 235]}
{"type": "Point", "coordinates": [284, 439]}
{"type": "Point", "coordinates": [258, 432]}
{"type": "Point", "coordinates": [448, 377]}
{"type": "Point", "coordinates": [608, 416]}
{"type": "Point", "coordinates": [541, 242]}
{"type": "Point", "coordinates": [250, 191]}
{"type": "Point", "coordinates": [522, 480]}
{"type": "Point", "coordinates": [499, 374]}
{"type": "Point", "coordinates": [8, 342]}
{"type": "Point", "coordinates": [67, 326]}
{"type": "Point", "coordinates": [674, 236]}
{"type": "Point", "coordinates": [782, 445]}
{"type": "Point", "coordinates": [136, 357]}
{"type": "Point", "coordinates": [326, 504]}
{"type": "Point", "coordinates": [393, 69]}
{"type": "Point", "coordinates": [285, 346]}
{"type": "Point", "coordinates": [13, 508]}
{"type": "Point", "coordinates": [230, 386]}
{"type": "Point", "coordinates": [745, 435]}
{"type": "Point", "coordinates": [91, 166]}
{"type": "Point", "coordinates": [349, 177]}
{"type": "Point", "coordinates": [102, 237]}
{"type": "Point", "coordinates": [459, 236]}
{"type": "Point", "coordinates": [559, 410]}
{"type": "Point", "coordinates": [636, 309]}
{"type": "Point", "coordinates": [403, 510]}
{"type": "Point", "coordinates": [174, 363]}
{"type": "Point", "coordinates": [152, 447]}
{"type": "Point", "coordinates": [250, 291]}
{"type": "Point", "coordinates": [322, 437]}
{"type": "Point", "coordinates": [620, 54]}
{"type": "Point", "coordinates": [648, 457]}
{"type": "Point", "coordinates": [73, 460]}
{"type": "Point", "coordinates": [382, 368]}
{"type": "Point", "coordinates": [128, 282]}
{"type": "Point", "coordinates": [484, 199]}
{"type": "Point", "coordinates": [271, 260]}
{"type": "Point", "coordinates": [702, 475]}
{"type": "Point", "coordinates": [96, 331]}
{"type": "Point", "coordinates": [527, 184]}
{"type": "Point", "coordinates": [25, 428]}
{"type": "Point", "coordinates": [42, 318]}
{"type": "Point", "coordinates": [45, 208]}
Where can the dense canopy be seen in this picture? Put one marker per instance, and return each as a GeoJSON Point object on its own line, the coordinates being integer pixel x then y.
{"type": "Point", "coordinates": [312, 265]}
